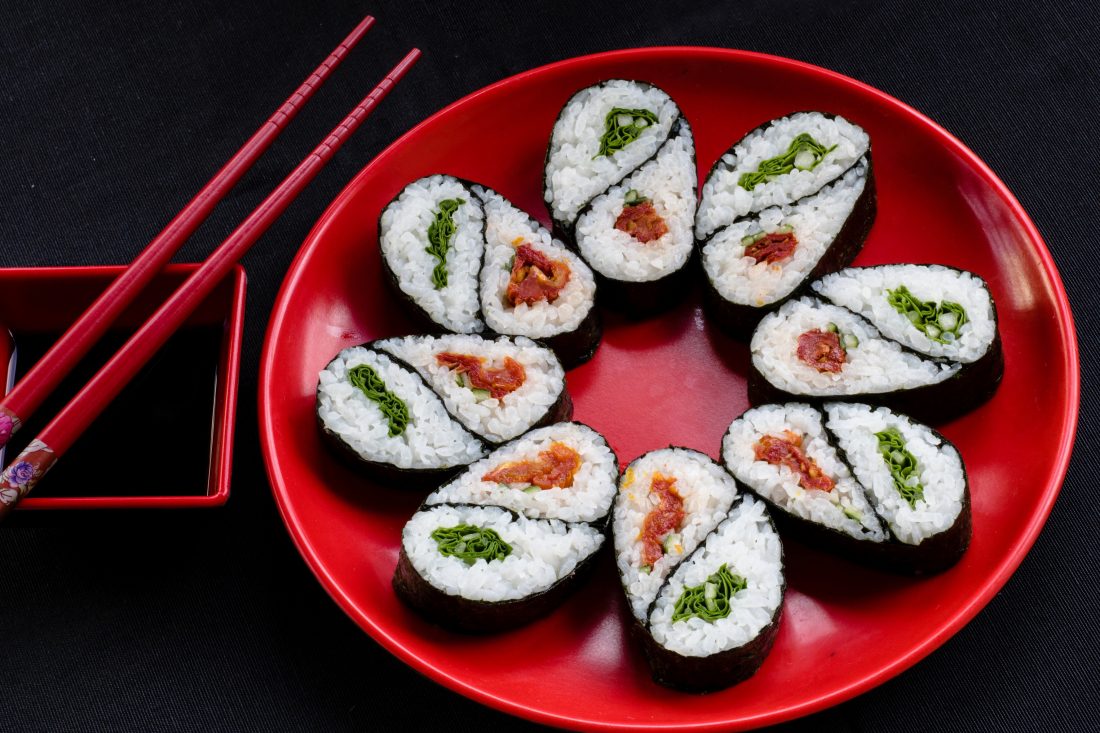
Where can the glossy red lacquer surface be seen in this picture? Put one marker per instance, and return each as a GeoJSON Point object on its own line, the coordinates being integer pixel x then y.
{"type": "Point", "coordinates": [49, 299]}
{"type": "Point", "coordinates": [674, 379]}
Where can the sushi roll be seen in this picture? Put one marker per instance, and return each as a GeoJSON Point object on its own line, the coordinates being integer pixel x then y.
{"type": "Point", "coordinates": [915, 479]}
{"type": "Point", "coordinates": [783, 454]}
{"type": "Point", "coordinates": [935, 310]}
{"type": "Point", "coordinates": [637, 234]}
{"type": "Point", "coordinates": [756, 263]}
{"type": "Point", "coordinates": [533, 286]}
{"type": "Point", "coordinates": [603, 132]}
{"type": "Point", "coordinates": [432, 238]}
{"type": "Point", "coordinates": [565, 471]}
{"type": "Point", "coordinates": [669, 500]}
{"type": "Point", "coordinates": [484, 569]}
{"type": "Point", "coordinates": [497, 388]}
{"type": "Point", "coordinates": [681, 530]}
{"type": "Point", "coordinates": [382, 414]}
{"type": "Point", "coordinates": [715, 619]}
{"type": "Point", "coordinates": [863, 481]}
{"type": "Point", "coordinates": [812, 350]}
{"type": "Point", "coordinates": [778, 163]}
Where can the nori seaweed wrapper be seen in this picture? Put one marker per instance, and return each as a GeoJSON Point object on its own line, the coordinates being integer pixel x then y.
{"type": "Point", "coordinates": [560, 411]}
{"type": "Point", "coordinates": [932, 403]}
{"type": "Point", "coordinates": [483, 617]}
{"type": "Point", "coordinates": [563, 229]}
{"type": "Point", "coordinates": [643, 299]}
{"type": "Point", "coordinates": [422, 321]}
{"type": "Point", "coordinates": [715, 671]}
{"type": "Point", "coordinates": [387, 473]}
{"type": "Point", "coordinates": [711, 673]}
{"type": "Point", "coordinates": [932, 555]}
{"type": "Point", "coordinates": [739, 319]}
{"type": "Point", "coordinates": [579, 345]}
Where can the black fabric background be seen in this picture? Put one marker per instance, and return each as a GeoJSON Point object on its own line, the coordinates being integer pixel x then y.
{"type": "Point", "coordinates": [113, 114]}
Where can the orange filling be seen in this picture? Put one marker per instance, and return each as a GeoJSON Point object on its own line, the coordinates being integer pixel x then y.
{"type": "Point", "coordinates": [821, 350]}
{"type": "Point", "coordinates": [554, 467]}
{"type": "Point", "coordinates": [642, 222]}
{"type": "Point", "coordinates": [499, 381]}
{"type": "Point", "coordinates": [536, 277]}
{"type": "Point", "coordinates": [771, 248]}
{"type": "Point", "coordinates": [788, 452]}
{"type": "Point", "coordinates": [666, 517]}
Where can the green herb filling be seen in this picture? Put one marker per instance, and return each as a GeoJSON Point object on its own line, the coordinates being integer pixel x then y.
{"type": "Point", "coordinates": [622, 127]}
{"type": "Point", "coordinates": [940, 322]}
{"type": "Point", "coordinates": [751, 239]}
{"type": "Point", "coordinates": [902, 465]}
{"type": "Point", "coordinates": [364, 378]}
{"type": "Point", "coordinates": [470, 544]}
{"type": "Point", "coordinates": [440, 233]}
{"type": "Point", "coordinates": [804, 153]}
{"type": "Point", "coordinates": [711, 600]}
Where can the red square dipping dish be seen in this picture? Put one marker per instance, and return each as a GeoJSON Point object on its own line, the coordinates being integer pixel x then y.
{"type": "Point", "coordinates": [167, 440]}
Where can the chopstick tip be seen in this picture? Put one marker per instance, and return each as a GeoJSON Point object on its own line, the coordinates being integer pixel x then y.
{"type": "Point", "coordinates": [404, 65]}
{"type": "Point", "coordinates": [360, 30]}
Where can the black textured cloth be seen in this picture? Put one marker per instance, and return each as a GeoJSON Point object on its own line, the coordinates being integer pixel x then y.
{"type": "Point", "coordinates": [113, 114]}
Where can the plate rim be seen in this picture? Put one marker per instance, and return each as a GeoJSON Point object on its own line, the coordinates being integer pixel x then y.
{"type": "Point", "coordinates": [946, 628]}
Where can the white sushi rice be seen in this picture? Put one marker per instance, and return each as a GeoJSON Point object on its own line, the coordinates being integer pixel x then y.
{"type": "Point", "coordinates": [403, 238]}
{"type": "Point", "coordinates": [496, 420]}
{"type": "Point", "coordinates": [864, 290]}
{"type": "Point", "coordinates": [845, 508]}
{"type": "Point", "coordinates": [748, 545]}
{"type": "Point", "coordinates": [668, 181]}
{"type": "Point", "coordinates": [587, 500]}
{"type": "Point", "coordinates": [875, 366]}
{"type": "Point", "coordinates": [815, 220]}
{"type": "Point", "coordinates": [708, 492]}
{"type": "Point", "coordinates": [939, 467]}
{"type": "Point", "coordinates": [575, 173]}
{"type": "Point", "coordinates": [723, 200]}
{"type": "Point", "coordinates": [543, 552]}
{"type": "Point", "coordinates": [432, 438]}
{"type": "Point", "coordinates": [506, 228]}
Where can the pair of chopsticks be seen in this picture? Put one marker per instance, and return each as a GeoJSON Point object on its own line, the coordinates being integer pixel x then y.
{"type": "Point", "coordinates": [22, 474]}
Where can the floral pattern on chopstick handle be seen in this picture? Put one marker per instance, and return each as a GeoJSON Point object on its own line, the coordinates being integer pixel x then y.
{"type": "Point", "coordinates": [24, 472]}
{"type": "Point", "coordinates": [9, 425]}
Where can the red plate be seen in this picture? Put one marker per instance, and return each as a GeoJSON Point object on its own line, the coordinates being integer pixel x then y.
{"type": "Point", "coordinates": [676, 380]}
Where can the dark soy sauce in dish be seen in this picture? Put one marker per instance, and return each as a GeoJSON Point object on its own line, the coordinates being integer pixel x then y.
{"type": "Point", "coordinates": [153, 439]}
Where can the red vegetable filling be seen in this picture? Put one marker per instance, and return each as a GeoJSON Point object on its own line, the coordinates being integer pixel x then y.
{"type": "Point", "coordinates": [788, 452]}
{"type": "Point", "coordinates": [554, 467]}
{"type": "Point", "coordinates": [772, 247]}
{"type": "Point", "coordinates": [642, 222]}
{"type": "Point", "coordinates": [666, 517]}
{"type": "Point", "coordinates": [499, 381]}
{"type": "Point", "coordinates": [821, 350]}
{"type": "Point", "coordinates": [536, 277]}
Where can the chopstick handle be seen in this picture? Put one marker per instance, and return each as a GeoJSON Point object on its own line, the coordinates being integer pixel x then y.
{"type": "Point", "coordinates": [23, 473]}
{"type": "Point", "coordinates": [28, 469]}
{"type": "Point", "coordinates": [47, 373]}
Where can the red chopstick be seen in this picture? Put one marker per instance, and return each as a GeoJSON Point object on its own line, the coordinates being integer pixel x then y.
{"type": "Point", "coordinates": [25, 471]}
{"type": "Point", "coordinates": [48, 372]}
